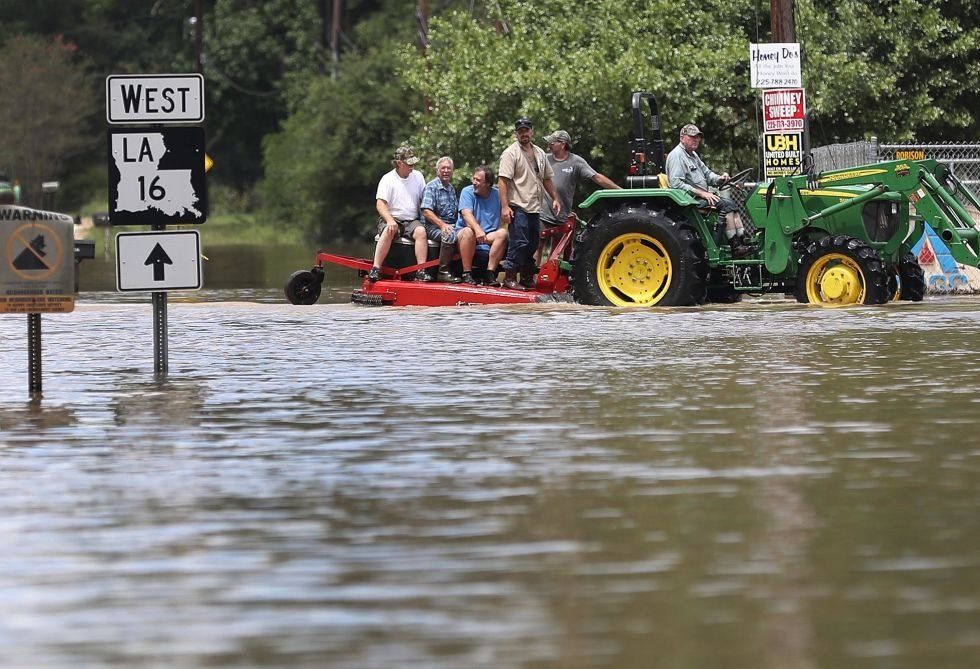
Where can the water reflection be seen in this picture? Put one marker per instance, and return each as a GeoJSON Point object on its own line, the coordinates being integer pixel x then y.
{"type": "Point", "coordinates": [758, 485]}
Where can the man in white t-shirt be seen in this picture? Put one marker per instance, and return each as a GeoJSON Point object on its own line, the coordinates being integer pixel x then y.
{"type": "Point", "coordinates": [397, 201]}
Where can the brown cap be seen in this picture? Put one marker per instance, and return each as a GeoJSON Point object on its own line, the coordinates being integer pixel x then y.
{"type": "Point", "coordinates": [691, 130]}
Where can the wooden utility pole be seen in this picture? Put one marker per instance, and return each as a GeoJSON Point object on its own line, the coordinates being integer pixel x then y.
{"type": "Point", "coordinates": [199, 36]}
{"type": "Point", "coordinates": [422, 16]}
{"type": "Point", "coordinates": [335, 37]}
{"type": "Point", "coordinates": [783, 22]}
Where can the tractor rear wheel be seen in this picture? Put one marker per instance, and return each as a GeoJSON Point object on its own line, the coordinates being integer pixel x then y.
{"type": "Point", "coordinates": [635, 256]}
{"type": "Point", "coordinates": [911, 278]}
{"type": "Point", "coordinates": [839, 271]}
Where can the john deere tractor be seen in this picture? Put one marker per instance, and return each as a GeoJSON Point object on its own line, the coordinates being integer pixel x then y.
{"type": "Point", "coordinates": [831, 238]}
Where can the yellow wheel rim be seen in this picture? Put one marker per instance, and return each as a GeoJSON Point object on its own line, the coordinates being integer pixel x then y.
{"type": "Point", "coordinates": [634, 269]}
{"type": "Point", "coordinates": [835, 280]}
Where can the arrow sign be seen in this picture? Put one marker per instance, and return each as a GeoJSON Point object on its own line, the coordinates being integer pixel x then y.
{"type": "Point", "coordinates": [158, 258]}
{"type": "Point", "coordinates": [158, 261]}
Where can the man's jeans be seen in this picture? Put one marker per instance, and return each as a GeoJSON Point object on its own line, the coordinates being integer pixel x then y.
{"type": "Point", "coordinates": [525, 231]}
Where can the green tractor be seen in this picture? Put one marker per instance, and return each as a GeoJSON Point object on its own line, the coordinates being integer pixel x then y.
{"type": "Point", "coordinates": [832, 238]}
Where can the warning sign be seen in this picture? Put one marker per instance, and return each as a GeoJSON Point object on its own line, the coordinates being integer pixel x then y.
{"type": "Point", "coordinates": [37, 262]}
{"type": "Point", "coordinates": [783, 153]}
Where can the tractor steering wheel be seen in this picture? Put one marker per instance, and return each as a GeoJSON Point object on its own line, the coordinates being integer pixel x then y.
{"type": "Point", "coordinates": [736, 180]}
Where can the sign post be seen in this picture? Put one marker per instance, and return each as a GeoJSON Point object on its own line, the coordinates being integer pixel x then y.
{"type": "Point", "coordinates": [156, 178]}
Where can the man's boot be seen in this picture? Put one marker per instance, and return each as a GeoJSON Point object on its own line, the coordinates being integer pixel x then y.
{"type": "Point", "coordinates": [510, 280]}
{"type": "Point", "coordinates": [445, 257]}
{"type": "Point", "coordinates": [527, 276]}
{"type": "Point", "coordinates": [739, 249]}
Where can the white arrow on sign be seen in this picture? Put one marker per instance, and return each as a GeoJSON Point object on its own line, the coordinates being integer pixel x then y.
{"type": "Point", "coordinates": [158, 261]}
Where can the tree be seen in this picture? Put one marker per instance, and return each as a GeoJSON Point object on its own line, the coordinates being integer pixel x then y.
{"type": "Point", "coordinates": [49, 102]}
{"type": "Point", "coordinates": [322, 169]}
{"type": "Point", "coordinates": [259, 56]}
{"type": "Point", "coordinates": [574, 65]}
{"type": "Point", "coordinates": [898, 69]}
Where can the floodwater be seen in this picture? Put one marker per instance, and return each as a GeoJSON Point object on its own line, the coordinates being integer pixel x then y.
{"type": "Point", "coordinates": [746, 486]}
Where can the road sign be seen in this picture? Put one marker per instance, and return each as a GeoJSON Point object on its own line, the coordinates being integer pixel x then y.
{"type": "Point", "coordinates": [154, 98]}
{"type": "Point", "coordinates": [158, 261]}
{"type": "Point", "coordinates": [783, 109]}
{"type": "Point", "coordinates": [775, 65]}
{"type": "Point", "coordinates": [37, 261]}
{"type": "Point", "coordinates": [156, 177]}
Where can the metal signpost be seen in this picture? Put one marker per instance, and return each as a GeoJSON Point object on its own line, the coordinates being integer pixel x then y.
{"type": "Point", "coordinates": [156, 178]}
{"type": "Point", "coordinates": [37, 273]}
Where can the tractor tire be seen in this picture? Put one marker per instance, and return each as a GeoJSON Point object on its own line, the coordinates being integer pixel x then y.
{"type": "Point", "coordinates": [911, 278]}
{"type": "Point", "coordinates": [635, 256]}
{"type": "Point", "coordinates": [303, 287]}
{"type": "Point", "coordinates": [839, 271]}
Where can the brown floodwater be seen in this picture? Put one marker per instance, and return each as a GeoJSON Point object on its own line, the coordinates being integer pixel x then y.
{"type": "Point", "coordinates": [739, 486]}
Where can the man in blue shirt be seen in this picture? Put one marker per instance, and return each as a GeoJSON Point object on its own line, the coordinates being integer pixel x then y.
{"type": "Point", "coordinates": [479, 214]}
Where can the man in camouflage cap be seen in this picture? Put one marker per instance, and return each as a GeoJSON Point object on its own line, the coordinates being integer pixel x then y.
{"type": "Point", "coordinates": [397, 202]}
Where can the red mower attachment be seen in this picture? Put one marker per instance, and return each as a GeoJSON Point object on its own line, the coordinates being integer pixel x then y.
{"type": "Point", "coordinates": [397, 287]}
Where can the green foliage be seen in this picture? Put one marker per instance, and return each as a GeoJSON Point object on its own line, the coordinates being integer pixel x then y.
{"type": "Point", "coordinates": [323, 167]}
{"type": "Point", "coordinates": [898, 69]}
{"type": "Point", "coordinates": [259, 56]}
{"type": "Point", "coordinates": [48, 102]}
{"type": "Point", "coordinates": [574, 66]}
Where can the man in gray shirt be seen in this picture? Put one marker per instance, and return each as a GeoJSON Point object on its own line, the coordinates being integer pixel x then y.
{"type": "Point", "coordinates": [569, 169]}
{"type": "Point", "coordinates": [687, 172]}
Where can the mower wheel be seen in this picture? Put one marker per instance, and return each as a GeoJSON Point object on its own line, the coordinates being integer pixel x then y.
{"type": "Point", "coordinates": [911, 278]}
{"type": "Point", "coordinates": [840, 271]}
{"type": "Point", "coordinates": [303, 287]}
{"type": "Point", "coordinates": [635, 256]}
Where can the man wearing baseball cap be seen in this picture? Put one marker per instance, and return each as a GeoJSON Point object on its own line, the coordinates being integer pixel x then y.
{"type": "Point", "coordinates": [687, 172]}
{"type": "Point", "coordinates": [397, 202]}
{"type": "Point", "coordinates": [569, 168]}
{"type": "Point", "coordinates": [524, 174]}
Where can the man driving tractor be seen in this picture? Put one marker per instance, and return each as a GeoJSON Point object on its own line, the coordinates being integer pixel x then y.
{"type": "Point", "coordinates": [687, 172]}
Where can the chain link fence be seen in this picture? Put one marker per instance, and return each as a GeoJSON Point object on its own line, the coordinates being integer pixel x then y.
{"type": "Point", "coordinates": [963, 159]}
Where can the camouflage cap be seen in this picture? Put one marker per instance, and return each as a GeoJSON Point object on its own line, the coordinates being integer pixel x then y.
{"type": "Point", "coordinates": [406, 154]}
{"type": "Point", "coordinates": [691, 130]}
{"type": "Point", "coordinates": [559, 136]}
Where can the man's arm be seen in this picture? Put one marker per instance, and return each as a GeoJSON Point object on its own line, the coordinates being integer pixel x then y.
{"type": "Point", "coordinates": [505, 211]}
{"type": "Point", "coordinates": [675, 177]}
{"type": "Point", "coordinates": [470, 220]}
{"type": "Point", "coordinates": [550, 187]}
{"type": "Point", "coordinates": [430, 217]}
{"type": "Point", "coordinates": [384, 212]}
{"type": "Point", "coordinates": [604, 181]}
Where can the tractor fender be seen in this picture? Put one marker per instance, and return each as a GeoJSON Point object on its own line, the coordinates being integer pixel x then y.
{"type": "Point", "coordinates": [615, 194]}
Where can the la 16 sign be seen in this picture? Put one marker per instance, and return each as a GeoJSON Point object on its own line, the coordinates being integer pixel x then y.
{"type": "Point", "coordinates": [154, 98]}
{"type": "Point", "coordinates": [156, 177]}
